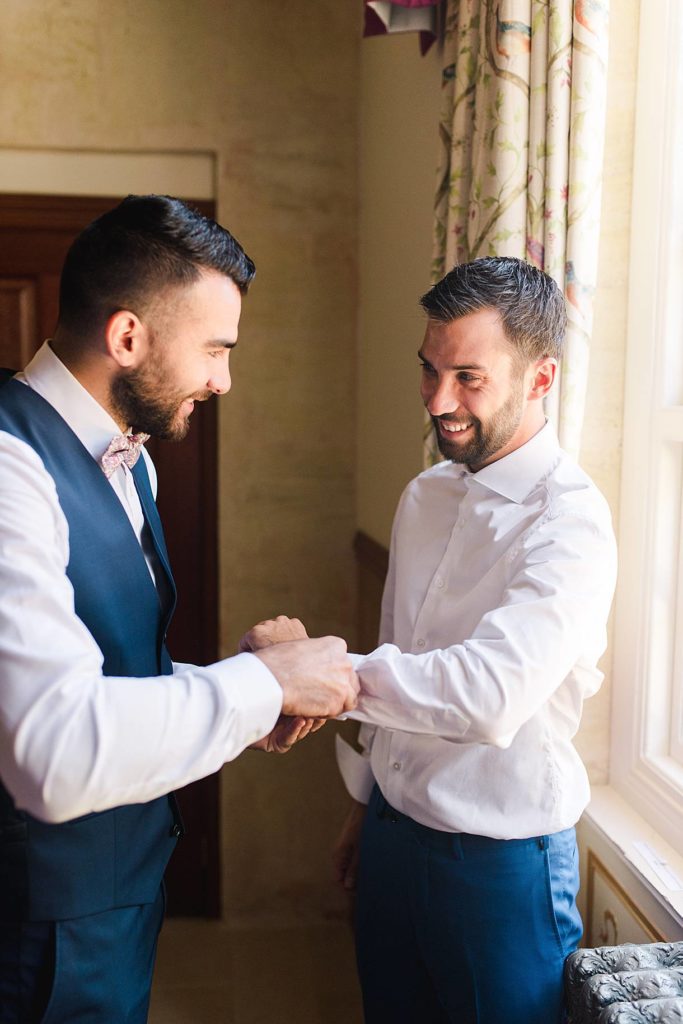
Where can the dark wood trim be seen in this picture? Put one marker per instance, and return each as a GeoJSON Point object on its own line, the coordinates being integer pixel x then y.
{"type": "Point", "coordinates": [65, 213]}
{"type": "Point", "coordinates": [371, 554]}
{"type": "Point", "coordinates": [210, 553]}
{"type": "Point", "coordinates": [372, 562]}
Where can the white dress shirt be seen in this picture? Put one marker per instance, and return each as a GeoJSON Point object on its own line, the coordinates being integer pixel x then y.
{"type": "Point", "coordinates": [493, 620]}
{"type": "Point", "coordinates": [72, 740]}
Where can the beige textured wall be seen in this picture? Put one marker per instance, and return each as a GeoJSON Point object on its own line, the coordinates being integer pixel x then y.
{"type": "Point", "coordinates": [272, 90]}
{"type": "Point", "coordinates": [398, 148]}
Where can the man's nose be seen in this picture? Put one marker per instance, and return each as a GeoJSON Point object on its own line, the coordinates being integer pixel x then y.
{"type": "Point", "coordinates": [220, 381]}
{"type": "Point", "coordinates": [441, 399]}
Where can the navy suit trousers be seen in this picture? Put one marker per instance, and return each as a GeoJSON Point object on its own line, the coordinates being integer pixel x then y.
{"type": "Point", "coordinates": [86, 970]}
{"type": "Point", "coordinates": [454, 928]}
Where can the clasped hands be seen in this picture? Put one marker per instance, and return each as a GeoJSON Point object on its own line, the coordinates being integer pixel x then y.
{"type": "Point", "coordinates": [316, 676]}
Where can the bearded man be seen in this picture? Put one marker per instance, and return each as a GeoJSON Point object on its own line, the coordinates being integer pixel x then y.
{"type": "Point", "coordinates": [97, 725]}
{"type": "Point", "coordinates": [501, 575]}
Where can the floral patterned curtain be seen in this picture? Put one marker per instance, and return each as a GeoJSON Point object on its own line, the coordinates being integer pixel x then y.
{"type": "Point", "coordinates": [522, 128]}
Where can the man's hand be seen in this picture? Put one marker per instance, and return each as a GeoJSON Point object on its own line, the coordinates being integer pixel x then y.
{"type": "Point", "coordinates": [316, 676]}
{"type": "Point", "coordinates": [345, 851]}
{"type": "Point", "coordinates": [272, 631]}
{"type": "Point", "coordinates": [286, 732]}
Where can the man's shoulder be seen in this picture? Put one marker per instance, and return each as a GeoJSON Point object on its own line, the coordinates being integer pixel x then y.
{"type": "Point", "coordinates": [430, 483]}
{"type": "Point", "coordinates": [440, 471]}
{"type": "Point", "coordinates": [22, 471]}
{"type": "Point", "coordinates": [15, 450]}
{"type": "Point", "coordinates": [571, 491]}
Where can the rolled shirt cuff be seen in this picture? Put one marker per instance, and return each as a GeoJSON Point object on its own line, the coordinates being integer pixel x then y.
{"type": "Point", "coordinates": [355, 771]}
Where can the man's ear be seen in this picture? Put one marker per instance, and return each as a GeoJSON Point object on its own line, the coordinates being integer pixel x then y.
{"type": "Point", "coordinates": [543, 373]}
{"type": "Point", "coordinates": [126, 339]}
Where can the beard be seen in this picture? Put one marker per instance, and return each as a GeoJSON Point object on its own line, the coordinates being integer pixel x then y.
{"type": "Point", "coordinates": [142, 398]}
{"type": "Point", "coordinates": [486, 438]}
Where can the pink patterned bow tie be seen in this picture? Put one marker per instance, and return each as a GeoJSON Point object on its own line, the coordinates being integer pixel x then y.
{"type": "Point", "coordinates": [123, 449]}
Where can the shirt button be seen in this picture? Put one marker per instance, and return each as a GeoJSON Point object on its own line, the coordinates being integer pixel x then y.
{"type": "Point", "coordinates": [420, 643]}
{"type": "Point", "coordinates": [396, 766]}
{"type": "Point", "coordinates": [439, 583]}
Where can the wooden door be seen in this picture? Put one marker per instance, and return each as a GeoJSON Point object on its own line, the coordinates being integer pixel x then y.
{"type": "Point", "coordinates": [35, 233]}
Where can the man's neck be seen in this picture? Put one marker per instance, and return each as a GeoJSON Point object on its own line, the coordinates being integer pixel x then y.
{"type": "Point", "coordinates": [85, 364]}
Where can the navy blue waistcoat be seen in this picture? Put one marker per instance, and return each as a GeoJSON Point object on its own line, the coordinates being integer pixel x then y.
{"type": "Point", "coordinates": [113, 858]}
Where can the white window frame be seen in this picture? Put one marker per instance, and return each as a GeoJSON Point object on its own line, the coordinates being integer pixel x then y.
{"type": "Point", "coordinates": [646, 762]}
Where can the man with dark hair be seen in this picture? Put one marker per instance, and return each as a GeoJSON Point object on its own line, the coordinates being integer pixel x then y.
{"type": "Point", "coordinates": [145, 244]}
{"type": "Point", "coordinates": [97, 725]}
{"type": "Point", "coordinates": [501, 574]}
{"type": "Point", "coordinates": [494, 615]}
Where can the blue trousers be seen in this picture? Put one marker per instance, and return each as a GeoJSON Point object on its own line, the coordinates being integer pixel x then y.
{"type": "Point", "coordinates": [454, 928]}
{"type": "Point", "coordinates": [89, 970]}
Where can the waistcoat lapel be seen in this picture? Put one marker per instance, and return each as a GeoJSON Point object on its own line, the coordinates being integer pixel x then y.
{"type": "Point", "coordinates": [151, 514]}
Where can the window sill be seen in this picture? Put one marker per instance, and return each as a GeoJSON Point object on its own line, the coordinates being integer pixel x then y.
{"type": "Point", "coordinates": [622, 828]}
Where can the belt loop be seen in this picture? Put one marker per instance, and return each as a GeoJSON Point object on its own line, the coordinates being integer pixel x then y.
{"type": "Point", "coordinates": [543, 842]}
{"type": "Point", "coordinates": [382, 805]}
{"type": "Point", "coordinates": [457, 846]}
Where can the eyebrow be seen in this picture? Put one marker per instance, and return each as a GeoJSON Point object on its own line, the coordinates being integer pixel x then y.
{"type": "Point", "coordinates": [456, 366]}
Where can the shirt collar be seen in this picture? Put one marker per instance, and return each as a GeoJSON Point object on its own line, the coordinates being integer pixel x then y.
{"type": "Point", "coordinates": [515, 475]}
{"type": "Point", "coordinates": [91, 423]}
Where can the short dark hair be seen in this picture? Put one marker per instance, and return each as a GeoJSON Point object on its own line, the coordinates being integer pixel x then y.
{"type": "Point", "coordinates": [531, 306]}
{"type": "Point", "coordinates": [131, 253]}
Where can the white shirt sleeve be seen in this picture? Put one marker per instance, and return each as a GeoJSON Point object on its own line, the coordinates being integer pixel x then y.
{"type": "Point", "coordinates": [354, 765]}
{"type": "Point", "coordinates": [485, 689]}
{"type": "Point", "coordinates": [72, 740]}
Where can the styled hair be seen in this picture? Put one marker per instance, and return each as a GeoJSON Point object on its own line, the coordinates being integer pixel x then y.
{"type": "Point", "coordinates": [131, 253]}
{"type": "Point", "coordinates": [531, 306]}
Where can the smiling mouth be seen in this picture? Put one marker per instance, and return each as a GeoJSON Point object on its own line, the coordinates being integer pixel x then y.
{"type": "Point", "coordinates": [453, 428]}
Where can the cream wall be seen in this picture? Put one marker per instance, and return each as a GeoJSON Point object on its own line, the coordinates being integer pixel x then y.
{"type": "Point", "coordinates": [399, 118]}
{"type": "Point", "coordinates": [271, 90]}
{"type": "Point", "coordinates": [398, 151]}
{"type": "Point", "coordinates": [87, 172]}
